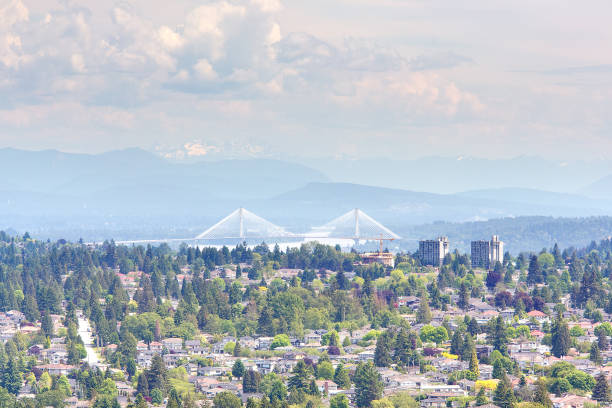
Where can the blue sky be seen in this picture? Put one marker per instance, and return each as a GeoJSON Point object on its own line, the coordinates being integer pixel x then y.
{"type": "Point", "coordinates": [341, 79]}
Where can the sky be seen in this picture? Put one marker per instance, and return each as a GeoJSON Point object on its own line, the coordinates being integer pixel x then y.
{"type": "Point", "coordinates": [343, 79]}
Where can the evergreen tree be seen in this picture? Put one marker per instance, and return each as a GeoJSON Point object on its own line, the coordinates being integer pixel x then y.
{"type": "Point", "coordinates": [250, 381]}
{"type": "Point", "coordinates": [498, 369]}
{"type": "Point", "coordinates": [47, 324]}
{"type": "Point", "coordinates": [468, 347]}
{"type": "Point", "coordinates": [237, 349]}
{"type": "Point", "coordinates": [300, 378]}
{"type": "Point", "coordinates": [595, 354]}
{"type": "Point", "coordinates": [313, 389]}
{"type": "Point", "coordinates": [238, 369]}
{"type": "Point", "coordinates": [11, 377]}
{"type": "Point", "coordinates": [382, 354]}
{"type": "Point", "coordinates": [504, 396]}
{"type": "Point", "coordinates": [403, 347]}
{"type": "Point", "coordinates": [341, 377]}
{"type": "Point", "coordinates": [472, 327]}
{"type": "Point", "coordinates": [534, 272]}
{"type": "Point", "coordinates": [464, 297]}
{"type": "Point", "coordinates": [157, 374]}
{"type": "Point", "coordinates": [601, 391]}
{"type": "Point", "coordinates": [456, 343]}
{"type": "Point", "coordinates": [560, 338]}
{"type": "Point", "coordinates": [142, 388]}
{"type": "Point", "coordinates": [368, 384]}
{"type": "Point", "coordinates": [474, 364]}
{"type": "Point", "coordinates": [481, 398]}
{"type": "Point", "coordinates": [541, 394]}
{"type": "Point", "coordinates": [602, 340]}
{"type": "Point", "coordinates": [174, 401]}
{"type": "Point", "coordinates": [423, 315]}
{"type": "Point", "coordinates": [500, 338]}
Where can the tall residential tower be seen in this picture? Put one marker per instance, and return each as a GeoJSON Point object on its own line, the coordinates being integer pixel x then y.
{"type": "Point", "coordinates": [433, 251]}
{"type": "Point", "coordinates": [485, 254]}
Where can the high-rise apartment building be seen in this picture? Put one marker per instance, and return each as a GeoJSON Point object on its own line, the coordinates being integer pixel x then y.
{"type": "Point", "coordinates": [486, 253]}
{"type": "Point", "coordinates": [433, 251]}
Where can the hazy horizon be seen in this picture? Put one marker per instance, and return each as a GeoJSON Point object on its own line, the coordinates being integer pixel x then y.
{"type": "Point", "coordinates": [270, 78]}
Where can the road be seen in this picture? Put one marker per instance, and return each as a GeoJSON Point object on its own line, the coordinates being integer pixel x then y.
{"type": "Point", "coordinates": [85, 333]}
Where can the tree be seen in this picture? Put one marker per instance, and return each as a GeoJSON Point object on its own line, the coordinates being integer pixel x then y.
{"type": "Point", "coordinates": [602, 340]}
{"type": "Point", "coordinates": [11, 378]}
{"type": "Point", "coordinates": [46, 324]}
{"type": "Point", "coordinates": [64, 386]}
{"type": "Point", "coordinates": [280, 340]}
{"type": "Point", "coordinates": [504, 396]}
{"type": "Point", "coordinates": [341, 377]}
{"type": "Point", "coordinates": [433, 334]}
{"type": "Point", "coordinates": [313, 389]}
{"type": "Point", "coordinates": [456, 343]}
{"type": "Point", "coordinates": [157, 396]}
{"type": "Point", "coordinates": [464, 297]}
{"type": "Point", "coordinates": [142, 388]}
{"type": "Point", "coordinates": [500, 338]}
{"type": "Point", "coordinates": [498, 369]}
{"type": "Point", "coordinates": [250, 381]}
{"type": "Point", "coordinates": [237, 349]}
{"type": "Point", "coordinates": [174, 401]}
{"type": "Point", "coordinates": [382, 353]}
{"type": "Point", "coordinates": [368, 384]}
{"type": "Point", "coordinates": [238, 369]}
{"type": "Point", "coordinates": [325, 370]}
{"type": "Point", "coordinates": [481, 398]}
{"type": "Point", "coordinates": [534, 272]}
{"type": "Point", "coordinates": [226, 399]}
{"type": "Point", "coordinates": [157, 375]}
{"type": "Point", "coordinates": [601, 391]}
{"type": "Point", "coordinates": [339, 401]}
{"type": "Point", "coordinates": [474, 364]}
{"type": "Point", "coordinates": [423, 315]}
{"type": "Point", "coordinates": [560, 338]}
{"type": "Point", "coordinates": [382, 403]}
{"type": "Point", "coordinates": [595, 354]}
{"type": "Point", "coordinates": [541, 394]}
{"type": "Point", "coordinates": [300, 378]}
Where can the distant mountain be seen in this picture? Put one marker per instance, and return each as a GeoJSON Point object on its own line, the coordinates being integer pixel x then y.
{"type": "Point", "coordinates": [456, 174]}
{"type": "Point", "coordinates": [402, 207]}
{"type": "Point", "coordinates": [601, 188]}
{"type": "Point", "coordinates": [137, 182]}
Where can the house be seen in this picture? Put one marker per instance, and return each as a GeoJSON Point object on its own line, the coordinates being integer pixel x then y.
{"type": "Point", "coordinates": [56, 369]}
{"type": "Point", "coordinates": [192, 344]}
{"type": "Point", "coordinates": [156, 346]}
{"type": "Point", "coordinates": [264, 343]}
{"type": "Point", "coordinates": [327, 387]}
{"type": "Point", "coordinates": [433, 402]}
{"type": "Point", "coordinates": [540, 317]}
{"type": "Point", "coordinates": [571, 401]}
{"type": "Point", "coordinates": [173, 344]}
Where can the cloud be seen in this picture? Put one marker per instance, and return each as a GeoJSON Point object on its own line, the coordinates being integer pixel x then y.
{"type": "Point", "coordinates": [438, 61]}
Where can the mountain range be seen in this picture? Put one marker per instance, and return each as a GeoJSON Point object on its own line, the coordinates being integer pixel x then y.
{"type": "Point", "coordinates": [133, 193]}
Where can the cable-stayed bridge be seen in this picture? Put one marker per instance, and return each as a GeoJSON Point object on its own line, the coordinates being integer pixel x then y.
{"type": "Point", "coordinates": [241, 224]}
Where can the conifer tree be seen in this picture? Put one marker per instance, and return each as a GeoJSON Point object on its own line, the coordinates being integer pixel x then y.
{"type": "Point", "coordinates": [368, 385]}
{"type": "Point", "coordinates": [474, 364]}
{"type": "Point", "coordinates": [341, 377]}
{"type": "Point", "coordinates": [560, 338]}
{"type": "Point", "coordinates": [595, 354]}
{"type": "Point", "coordinates": [504, 395]}
{"type": "Point", "coordinates": [382, 353]}
{"type": "Point", "coordinates": [601, 391]}
{"type": "Point", "coordinates": [541, 394]}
